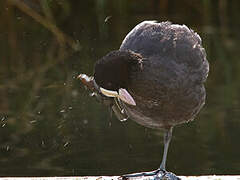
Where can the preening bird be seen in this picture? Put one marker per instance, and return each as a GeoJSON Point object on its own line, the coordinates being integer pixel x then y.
{"type": "Point", "coordinates": [156, 79]}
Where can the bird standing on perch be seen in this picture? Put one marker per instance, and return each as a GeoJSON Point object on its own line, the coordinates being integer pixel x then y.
{"type": "Point", "coordinates": [156, 79]}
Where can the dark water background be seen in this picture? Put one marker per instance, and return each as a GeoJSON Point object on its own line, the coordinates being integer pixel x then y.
{"type": "Point", "coordinates": [49, 126]}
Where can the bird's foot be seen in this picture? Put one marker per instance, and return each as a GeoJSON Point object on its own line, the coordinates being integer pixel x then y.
{"type": "Point", "coordinates": [158, 174]}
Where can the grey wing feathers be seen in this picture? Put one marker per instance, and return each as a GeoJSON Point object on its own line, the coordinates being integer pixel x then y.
{"type": "Point", "coordinates": [145, 38]}
{"type": "Point", "coordinates": [170, 42]}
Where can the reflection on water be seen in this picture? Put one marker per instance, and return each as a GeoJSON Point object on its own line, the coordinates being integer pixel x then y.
{"type": "Point", "coordinates": [50, 126]}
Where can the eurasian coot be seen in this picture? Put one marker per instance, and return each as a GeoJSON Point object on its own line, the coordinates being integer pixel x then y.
{"type": "Point", "coordinates": [156, 78]}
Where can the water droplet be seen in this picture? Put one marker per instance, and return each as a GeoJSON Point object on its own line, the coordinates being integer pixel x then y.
{"type": "Point", "coordinates": [65, 145]}
{"type": "Point", "coordinates": [124, 119]}
{"type": "Point", "coordinates": [92, 94]}
{"type": "Point", "coordinates": [33, 121]}
{"type": "Point", "coordinates": [63, 111]}
{"type": "Point", "coordinates": [107, 18]}
{"type": "Point", "coordinates": [43, 143]}
{"type": "Point", "coordinates": [85, 121]}
{"type": "Point", "coordinates": [74, 93]}
{"type": "Point", "coordinates": [60, 126]}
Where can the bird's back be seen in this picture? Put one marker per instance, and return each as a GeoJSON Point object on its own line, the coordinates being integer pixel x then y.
{"type": "Point", "coordinates": [169, 42]}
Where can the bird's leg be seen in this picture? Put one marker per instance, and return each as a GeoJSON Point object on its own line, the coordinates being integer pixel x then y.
{"type": "Point", "coordinates": [162, 169]}
{"type": "Point", "coordinates": [167, 139]}
{"type": "Point", "coordinates": [160, 173]}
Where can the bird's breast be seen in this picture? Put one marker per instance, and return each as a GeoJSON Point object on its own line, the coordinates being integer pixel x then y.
{"type": "Point", "coordinates": [164, 95]}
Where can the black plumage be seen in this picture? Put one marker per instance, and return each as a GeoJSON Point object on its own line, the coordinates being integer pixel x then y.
{"type": "Point", "coordinates": [163, 67]}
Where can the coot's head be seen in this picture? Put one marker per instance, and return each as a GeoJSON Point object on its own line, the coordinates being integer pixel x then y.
{"type": "Point", "coordinates": [113, 74]}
